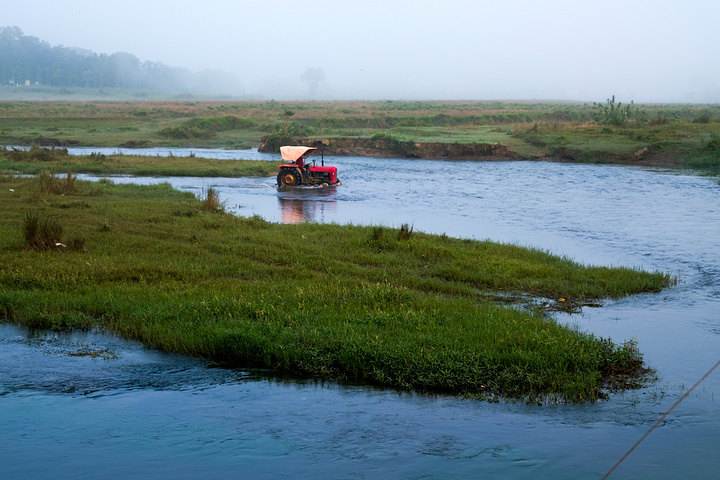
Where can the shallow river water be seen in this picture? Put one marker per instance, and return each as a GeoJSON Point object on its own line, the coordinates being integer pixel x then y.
{"type": "Point", "coordinates": [86, 405]}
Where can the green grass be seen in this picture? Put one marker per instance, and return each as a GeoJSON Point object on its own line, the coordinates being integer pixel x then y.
{"type": "Point", "coordinates": [707, 156]}
{"type": "Point", "coordinates": [36, 159]}
{"type": "Point", "coordinates": [395, 308]}
{"type": "Point", "coordinates": [532, 130]}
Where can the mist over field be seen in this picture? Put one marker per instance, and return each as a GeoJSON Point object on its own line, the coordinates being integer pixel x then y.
{"type": "Point", "coordinates": [646, 51]}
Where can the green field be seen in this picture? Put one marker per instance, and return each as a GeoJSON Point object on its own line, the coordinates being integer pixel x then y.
{"type": "Point", "coordinates": [38, 159]}
{"type": "Point", "coordinates": [661, 134]}
{"type": "Point", "coordinates": [376, 305]}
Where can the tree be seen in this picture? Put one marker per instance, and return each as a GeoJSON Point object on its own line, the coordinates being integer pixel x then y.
{"type": "Point", "coordinates": [28, 58]}
{"type": "Point", "coordinates": [313, 77]}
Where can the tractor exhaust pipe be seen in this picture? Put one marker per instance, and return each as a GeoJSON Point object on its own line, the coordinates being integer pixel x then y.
{"type": "Point", "coordinates": [321, 146]}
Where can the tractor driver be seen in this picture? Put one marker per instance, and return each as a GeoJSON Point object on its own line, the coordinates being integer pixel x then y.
{"type": "Point", "coordinates": [301, 163]}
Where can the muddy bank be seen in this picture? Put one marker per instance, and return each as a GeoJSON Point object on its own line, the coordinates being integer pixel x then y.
{"type": "Point", "coordinates": [650, 156]}
{"type": "Point", "coordinates": [42, 141]}
{"type": "Point", "coordinates": [388, 147]}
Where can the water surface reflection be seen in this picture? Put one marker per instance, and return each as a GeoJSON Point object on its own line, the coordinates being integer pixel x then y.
{"type": "Point", "coordinates": [307, 204]}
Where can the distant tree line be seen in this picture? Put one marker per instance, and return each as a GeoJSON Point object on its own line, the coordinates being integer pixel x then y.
{"type": "Point", "coordinates": [29, 59]}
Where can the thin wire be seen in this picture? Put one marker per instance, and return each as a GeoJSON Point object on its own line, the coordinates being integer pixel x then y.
{"type": "Point", "coordinates": [660, 420]}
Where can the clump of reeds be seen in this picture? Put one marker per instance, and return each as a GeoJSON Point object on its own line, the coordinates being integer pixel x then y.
{"type": "Point", "coordinates": [211, 201]}
{"type": "Point", "coordinates": [48, 183]}
{"type": "Point", "coordinates": [405, 232]}
{"type": "Point", "coordinates": [378, 242]}
{"type": "Point", "coordinates": [42, 233]}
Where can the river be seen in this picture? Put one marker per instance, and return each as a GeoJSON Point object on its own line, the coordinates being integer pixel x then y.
{"type": "Point", "coordinates": [87, 405]}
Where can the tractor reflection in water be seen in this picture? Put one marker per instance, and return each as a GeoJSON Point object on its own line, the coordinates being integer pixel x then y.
{"type": "Point", "coordinates": [295, 171]}
{"type": "Point", "coordinates": [307, 204]}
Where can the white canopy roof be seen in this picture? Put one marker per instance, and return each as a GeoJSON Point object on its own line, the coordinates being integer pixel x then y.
{"type": "Point", "coordinates": [293, 153]}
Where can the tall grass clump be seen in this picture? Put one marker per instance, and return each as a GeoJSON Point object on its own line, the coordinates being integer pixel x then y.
{"type": "Point", "coordinates": [42, 233]}
{"type": "Point", "coordinates": [405, 232]}
{"type": "Point", "coordinates": [211, 201]}
{"type": "Point", "coordinates": [48, 183]}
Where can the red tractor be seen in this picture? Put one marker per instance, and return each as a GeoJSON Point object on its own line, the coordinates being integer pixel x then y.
{"type": "Point", "coordinates": [295, 171]}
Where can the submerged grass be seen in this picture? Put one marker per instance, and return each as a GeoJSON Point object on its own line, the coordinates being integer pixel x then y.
{"type": "Point", "coordinates": [396, 308]}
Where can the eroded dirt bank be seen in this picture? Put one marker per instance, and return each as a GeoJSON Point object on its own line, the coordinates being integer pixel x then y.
{"type": "Point", "coordinates": [384, 147]}
{"type": "Point", "coordinates": [388, 148]}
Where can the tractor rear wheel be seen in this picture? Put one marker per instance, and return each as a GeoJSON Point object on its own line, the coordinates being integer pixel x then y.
{"type": "Point", "coordinates": [287, 179]}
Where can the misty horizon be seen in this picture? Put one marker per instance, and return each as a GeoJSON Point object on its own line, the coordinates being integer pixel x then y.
{"type": "Point", "coordinates": [648, 52]}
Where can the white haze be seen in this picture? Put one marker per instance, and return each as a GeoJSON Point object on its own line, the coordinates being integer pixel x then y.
{"type": "Point", "coordinates": [646, 51]}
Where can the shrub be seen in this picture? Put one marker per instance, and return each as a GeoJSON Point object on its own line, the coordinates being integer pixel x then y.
{"type": "Point", "coordinates": [659, 119]}
{"type": "Point", "coordinates": [387, 141]}
{"type": "Point", "coordinates": [615, 113]}
{"type": "Point", "coordinates": [703, 117]}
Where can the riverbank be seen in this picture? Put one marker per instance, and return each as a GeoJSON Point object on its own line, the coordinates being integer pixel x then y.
{"type": "Point", "coordinates": [662, 135]}
{"type": "Point", "coordinates": [377, 305]}
{"type": "Point", "coordinates": [36, 159]}
{"type": "Point", "coordinates": [388, 147]}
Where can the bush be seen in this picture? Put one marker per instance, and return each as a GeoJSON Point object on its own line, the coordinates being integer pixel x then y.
{"type": "Point", "coordinates": [703, 117]}
{"type": "Point", "coordinates": [611, 113]}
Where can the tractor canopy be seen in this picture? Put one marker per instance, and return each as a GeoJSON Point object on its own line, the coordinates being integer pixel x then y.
{"type": "Point", "coordinates": [292, 154]}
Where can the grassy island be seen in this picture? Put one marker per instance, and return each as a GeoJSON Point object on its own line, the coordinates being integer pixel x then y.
{"type": "Point", "coordinates": [382, 306]}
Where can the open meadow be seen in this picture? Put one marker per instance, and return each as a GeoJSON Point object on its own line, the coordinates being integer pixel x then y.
{"type": "Point", "coordinates": [608, 131]}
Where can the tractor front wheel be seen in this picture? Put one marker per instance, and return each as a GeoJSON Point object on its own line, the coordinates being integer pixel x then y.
{"type": "Point", "coordinates": [287, 179]}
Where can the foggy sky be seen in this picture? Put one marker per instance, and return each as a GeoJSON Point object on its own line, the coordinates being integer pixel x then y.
{"type": "Point", "coordinates": [641, 50]}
